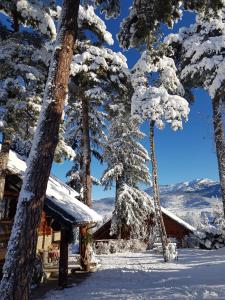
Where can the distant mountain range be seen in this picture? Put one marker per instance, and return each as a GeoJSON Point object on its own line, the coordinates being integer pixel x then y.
{"type": "Point", "coordinates": [193, 201]}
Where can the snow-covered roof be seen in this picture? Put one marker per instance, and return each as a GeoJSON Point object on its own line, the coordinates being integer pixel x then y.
{"type": "Point", "coordinates": [60, 198]}
{"type": "Point", "coordinates": [177, 219]}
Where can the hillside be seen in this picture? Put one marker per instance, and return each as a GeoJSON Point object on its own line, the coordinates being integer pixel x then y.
{"type": "Point", "coordinates": [192, 201]}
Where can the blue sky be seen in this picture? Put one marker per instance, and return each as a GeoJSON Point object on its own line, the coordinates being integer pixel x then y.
{"type": "Point", "coordinates": [182, 156]}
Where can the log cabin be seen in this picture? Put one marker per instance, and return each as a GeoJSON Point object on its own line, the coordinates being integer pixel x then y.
{"type": "Point", "coordinates": [176, 229]}
{"type": "Point", "coordinates": [62, 213]}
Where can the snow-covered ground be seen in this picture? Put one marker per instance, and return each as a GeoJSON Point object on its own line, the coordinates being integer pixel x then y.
{"type": "Point", "coordinates": [198, 274]}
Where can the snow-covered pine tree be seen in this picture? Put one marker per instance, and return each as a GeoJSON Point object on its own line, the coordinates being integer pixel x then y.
{"type": "Point", "coordinates": [158, 103]}
{"type": "Point", "coordinates": [200, 57]}
{"type": "Point", "coordinates": [17, 271]}
{"type": "Point", "coordinates": [37, 14]}
{"type": "Point", "coordinates": [126, 159]}
{"type": "Point", "coordinates": [74, 136]}
{"type": "Point", "coordinates": [110, 7]}
{"type": "Point", "coordinates": [24, 60]}
{"type": "Point", "coordinates": [100, 75]}
{"type": "Point", "coordinates": [146, 16]}
{"type": "Point", "coordinates": [96, 74]}
{"type": "Point", "coordinates": [24, 67]}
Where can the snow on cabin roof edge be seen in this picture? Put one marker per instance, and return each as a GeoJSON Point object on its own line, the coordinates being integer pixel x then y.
{"type": "Point", "coordinates": [60, 193]}
{"type": "Point", "coordinates": [177, 219]}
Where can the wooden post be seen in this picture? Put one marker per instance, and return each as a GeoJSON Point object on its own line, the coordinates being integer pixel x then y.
{"type": "Point", "coordinates": [44, 231]}
{"type": "Point", "coordinates": [84, 255]}
{"type": "Point", "coordinates": [63, 260]}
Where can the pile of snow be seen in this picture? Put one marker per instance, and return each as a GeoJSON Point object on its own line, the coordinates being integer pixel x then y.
{"type": "Point", "coordinates": [171, 251]}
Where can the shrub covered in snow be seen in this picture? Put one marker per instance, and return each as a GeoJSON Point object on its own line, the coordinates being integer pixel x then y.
{"type": "Point", "coordinates": [210, 235]}
{"type": "Point", "coordinates": [119, 246]}
{"type": "Point", "coordinates": [171, 251]}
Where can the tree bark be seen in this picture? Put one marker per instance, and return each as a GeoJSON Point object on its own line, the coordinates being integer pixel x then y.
{"type": "Point", "coordinates": [86, 178]}
{"type": "Point", "coordinates": [4, 158]}
{"type": "Point", "coordinates": [120, 226]}
{"type": "Point", "coordinates": [17, 272]}
{"type": "Point", "coordinates": [218, 104]}
{"type": "Point", "coordinates": [156, 196]}
{"type": "Point", "coordinates": [84, 248]}
{"type": "Point", "coordinates": [86, 154]}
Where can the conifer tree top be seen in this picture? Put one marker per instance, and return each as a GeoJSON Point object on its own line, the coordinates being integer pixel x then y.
{"type": "Point", "coordinates": [145, 16]}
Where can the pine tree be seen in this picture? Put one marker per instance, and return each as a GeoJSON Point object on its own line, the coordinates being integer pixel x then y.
{"type": "Point", "coordinates": [22, 78]}
{"type": "Point", "coordinates": [200, 57]}
{"type": "Point", "coordinates": [96, 73]}
{"type": "Point", "coordinates": [126, 159]}
{"type": "Point", "coordinates": [142, 26]}
{"type": "Point", "coordinates": [24, 60]}
{"type": "Point", "coordinates": [110, 7]}
{"type": "Point", "coordinates": [146, 16]}
{"type": "Point", "coordinates": [21, 251]}
{"type": "Point", "coordinates": [152, 101]}
{"type": "Point", "coordinates": [37, 14]}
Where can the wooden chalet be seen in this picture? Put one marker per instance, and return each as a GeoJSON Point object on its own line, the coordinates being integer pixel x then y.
{"type": "Point", "coordinates": [62, 213]}
{"type": "Point", "coordinates": [176, 228]}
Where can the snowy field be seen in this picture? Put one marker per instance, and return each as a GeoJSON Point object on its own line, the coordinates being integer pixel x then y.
{"type": "Point", "coordinates": [198, 274]}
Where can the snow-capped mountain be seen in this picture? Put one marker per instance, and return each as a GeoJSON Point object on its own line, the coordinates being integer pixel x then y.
{"type": "Point", "coordinates": [193, 201]}
{"type": "Point", "coordinates": [206, 187]}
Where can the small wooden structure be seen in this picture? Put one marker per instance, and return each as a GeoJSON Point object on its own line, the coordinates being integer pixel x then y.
{"type": "Point", "coordinates": [62, 213]}
{"type": "Point", "coordinates": [175, 228]}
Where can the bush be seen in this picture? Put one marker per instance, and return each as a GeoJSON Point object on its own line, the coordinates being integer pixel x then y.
{"type": "Point", "coordinates": [210, 235]}
{"type": "Point", "coordinates": [119, 246]}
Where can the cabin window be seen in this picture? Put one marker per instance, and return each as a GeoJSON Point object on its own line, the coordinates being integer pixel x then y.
{"type": "Point", "coordinates": [55, 236]}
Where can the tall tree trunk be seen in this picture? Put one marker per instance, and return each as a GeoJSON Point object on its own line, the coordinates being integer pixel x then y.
{"type": "Point", "coordinates": [156, 197]}
{"type": "Point", "coordinates": [86, 154]}
{"type": "Point", "coordinates": [120, 226]}
{"type": "Point", "coordinates": [17, 272]}
{"type": "Point", "coordinates": [85, 233]}
{"type": "Point", "coordinates": [218, 104]}
{"type": "Point", "coordinates": [4, 158]}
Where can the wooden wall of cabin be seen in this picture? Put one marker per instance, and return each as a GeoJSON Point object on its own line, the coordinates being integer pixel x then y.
{"type": "Point", "coordinates": [46, 235]}
{"type": "Point", "coordinates": [174, 229]}
{"type": "Point", "coordinates": [10, 201]}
